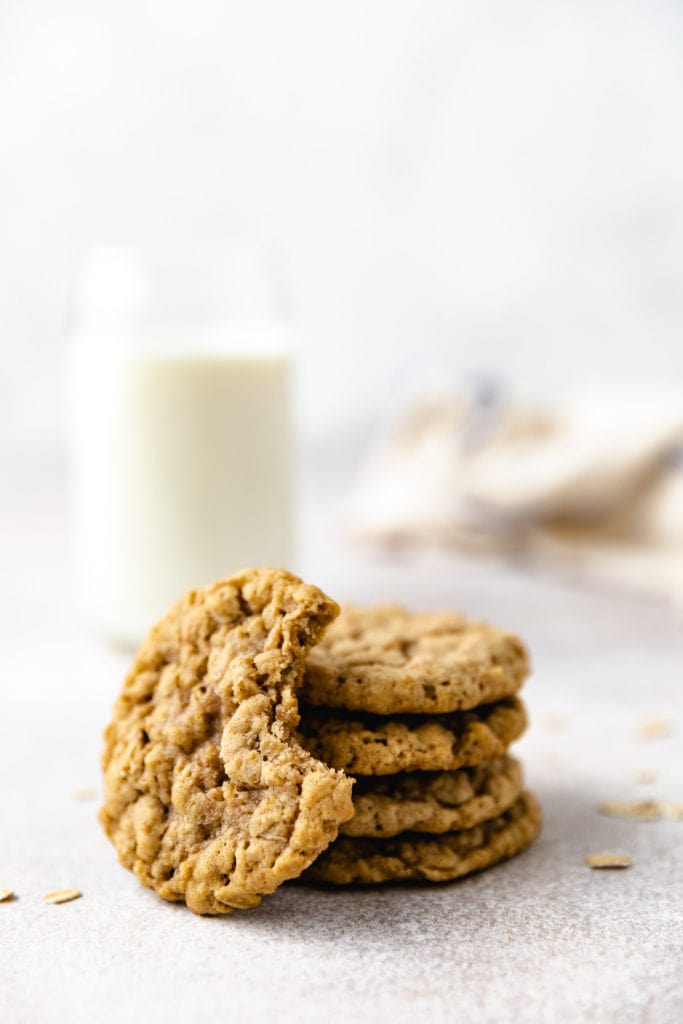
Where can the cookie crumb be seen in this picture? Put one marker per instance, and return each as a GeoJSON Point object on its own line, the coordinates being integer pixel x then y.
{"type": "Point", "coordinates": [62, 895]}
{"type": "Point", "coordinates": [86, 794]}
{"type": "Point", "coordinates": [641, 810]}
{"type": "Point", "coordinates": [656, 729]}
{"type": "Point", "coordinates": [646, 776]}
{"type": "Point", "coordinates": [6, 895]}
{"type": "Point", "coordinates": [608, 860]}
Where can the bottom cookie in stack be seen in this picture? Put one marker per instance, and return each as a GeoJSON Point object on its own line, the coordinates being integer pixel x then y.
{"type": "Point", "coordinates": [436, 795]}
{"type": "Point", "coordinates": [441, 858]}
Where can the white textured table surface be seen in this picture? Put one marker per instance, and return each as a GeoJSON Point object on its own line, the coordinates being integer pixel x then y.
{"type": "Point", "coordinates": [541, 938]}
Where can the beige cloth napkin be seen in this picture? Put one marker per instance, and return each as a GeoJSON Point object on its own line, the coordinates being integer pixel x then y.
{"type": "Point", "coordinates": [594, 483]}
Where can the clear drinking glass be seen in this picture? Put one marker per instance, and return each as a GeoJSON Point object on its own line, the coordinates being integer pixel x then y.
{"type": "Point", "coordinates": [180, 426]}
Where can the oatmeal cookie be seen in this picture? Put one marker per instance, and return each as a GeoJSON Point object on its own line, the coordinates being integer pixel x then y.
{"type": "Point", "coordinates": [208, 797]}
{"type": "Point", "coordinates": [377, 745]}
{"type": "Point", "coordinates": [429, 858]}
{"type": "Point", "coordinates": [433, 801]}
{"type": "Point", "coordinates": [387, 661]}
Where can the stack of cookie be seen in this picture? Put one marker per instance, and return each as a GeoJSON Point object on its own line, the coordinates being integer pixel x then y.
{"type": "Point", "coordinates": [210, 796]}
{"type": "Point", "coordinates": [420, 709]}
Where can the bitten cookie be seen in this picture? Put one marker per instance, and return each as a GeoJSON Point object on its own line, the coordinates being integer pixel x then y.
{"type": "Point", "coordinates": [430, 858]}
{"type": "Point", "coordinates": [376, 745]}
{"type": "Point", "coordinates": [433, 801]}
{"type": "Point", "coordinates": [387, 661]}
{"type": "Point", "coordinates": [208, 798]}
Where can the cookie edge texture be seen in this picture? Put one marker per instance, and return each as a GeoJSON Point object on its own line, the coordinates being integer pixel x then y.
{"type": "Point", "coordinates": [325, 794]}
{"type": "Point", "coordinates": [378, 745]}
{"type": "Point", "coordinates": [383, 815]}
{"type": "Point", "coordinates": [497, 671]}
{"type": "Point", "coordinates": [351, 861]}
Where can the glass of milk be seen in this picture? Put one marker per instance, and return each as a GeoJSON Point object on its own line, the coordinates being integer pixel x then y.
{"type": "Point", "coordinates": [180, 427]}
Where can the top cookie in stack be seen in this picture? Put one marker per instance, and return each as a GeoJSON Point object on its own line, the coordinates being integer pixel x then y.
{"type": "Point", "coordinates": [389, 661]}
{"type": "Point", "coordinates": [421, 707]}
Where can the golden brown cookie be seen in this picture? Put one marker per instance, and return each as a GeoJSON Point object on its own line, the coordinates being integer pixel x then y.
{"type": "Point", "coordinates": [208, 798]}
{"type": "Point", "coordinates": [376, 745]}
{"type": "Point", "coordinates": [429, 858]}
{"type": "Point", "coordinates": [433, 801]}
{"type": "Point", "coordinates": [387, 661]}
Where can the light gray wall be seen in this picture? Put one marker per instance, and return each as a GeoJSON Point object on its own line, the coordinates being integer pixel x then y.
{"type": "Point", "coordinates": [454, 185]}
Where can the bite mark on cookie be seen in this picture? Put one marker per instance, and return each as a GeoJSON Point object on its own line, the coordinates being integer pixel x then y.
{"type": "Point", "coordinates": [208, 798]}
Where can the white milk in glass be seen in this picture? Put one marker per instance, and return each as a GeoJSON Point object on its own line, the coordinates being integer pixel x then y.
{"type": "Point", "coordinates": [181, 457]}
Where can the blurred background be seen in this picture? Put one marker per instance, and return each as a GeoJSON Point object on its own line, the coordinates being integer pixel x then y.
{"type": "Point", "coordinates": [477, 207]}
